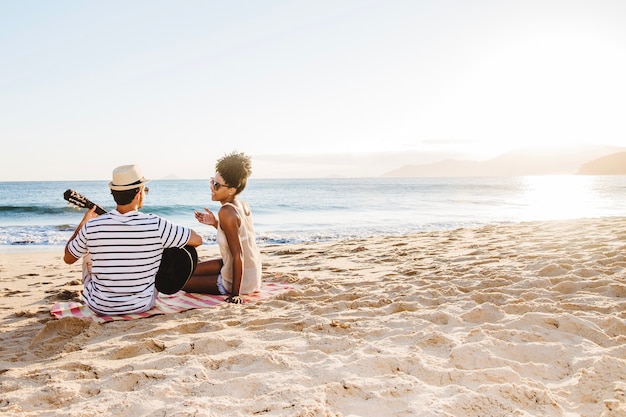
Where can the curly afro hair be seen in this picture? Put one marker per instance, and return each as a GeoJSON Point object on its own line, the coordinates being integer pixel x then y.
{"type": "Point", "coordinates": [235, 168]}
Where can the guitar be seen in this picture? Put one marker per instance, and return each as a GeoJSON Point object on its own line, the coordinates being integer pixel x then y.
{"type": "Point", "coordinates": [81, 201]}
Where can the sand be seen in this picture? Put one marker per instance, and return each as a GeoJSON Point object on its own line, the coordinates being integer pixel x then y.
{"type": "Point", "coordinates": [514, 320]}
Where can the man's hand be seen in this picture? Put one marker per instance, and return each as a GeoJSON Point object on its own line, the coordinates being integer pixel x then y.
{"type": "Point", "coordinates": [89, 214]}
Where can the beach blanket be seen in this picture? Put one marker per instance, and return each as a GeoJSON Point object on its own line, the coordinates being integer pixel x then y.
{"type": "Point", "coordinates": [180, 301]}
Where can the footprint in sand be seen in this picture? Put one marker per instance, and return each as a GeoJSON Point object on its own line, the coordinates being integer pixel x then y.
{"type": "Point", "coordinates": [32, 274]}
{"type": "Point", "coordinates": [552, 270]}
{"type": "Point", "coordinates": [57, 335]}
{"type": "Point", "coordinates": [11, 293]}
{"type": "Point", "coordinates": [139, 348]}
{"type": "Point", "coordinates": [64, 295]}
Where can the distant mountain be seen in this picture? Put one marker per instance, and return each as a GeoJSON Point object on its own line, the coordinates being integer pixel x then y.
{"type": "Point", "coordinates": [170, 177]}
{"type": "Point", "coordinates": [614, 164]}
{"type": "Point", "coordinates": [446, 168]}
{"type": "Point", "coordinates": [516, 163]}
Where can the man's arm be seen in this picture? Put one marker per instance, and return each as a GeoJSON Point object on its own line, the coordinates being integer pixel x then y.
{"type": "Point", "coordinates": [194, 239]}
{"type": "Point", "coordinates": [68, 258]}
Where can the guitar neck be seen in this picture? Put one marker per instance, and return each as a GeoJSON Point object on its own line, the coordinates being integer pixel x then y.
{"type": "Point", "coordinates": [99, 209]}
{"type": "Point", "coordinates": [81, 201]}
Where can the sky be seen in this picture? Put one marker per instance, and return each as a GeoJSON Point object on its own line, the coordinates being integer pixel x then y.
{"type": "Point", "coordinates": [307, 88]}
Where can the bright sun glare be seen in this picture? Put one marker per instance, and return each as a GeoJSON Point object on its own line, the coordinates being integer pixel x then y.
{"type": "Point", "coordinates": [559, 197]}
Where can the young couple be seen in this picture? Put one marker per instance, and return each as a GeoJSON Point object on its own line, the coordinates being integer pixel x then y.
{"type": "Point", "coordinates": [128, 255]}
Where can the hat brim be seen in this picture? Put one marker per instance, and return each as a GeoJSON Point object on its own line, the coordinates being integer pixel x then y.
{"type": "Point", "coordinates": [129, 186]}
{"type": "Point", "coordinates": [177, 266]}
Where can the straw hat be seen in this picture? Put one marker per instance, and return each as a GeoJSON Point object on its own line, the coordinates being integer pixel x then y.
{"type": "Point", "coordinates": [127, 177]}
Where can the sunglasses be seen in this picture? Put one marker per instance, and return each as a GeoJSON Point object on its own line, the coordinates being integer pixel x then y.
{"type": "Point", "coordinates": [216, 185]}
{"type": "Point", "coordinates": [146, 190]}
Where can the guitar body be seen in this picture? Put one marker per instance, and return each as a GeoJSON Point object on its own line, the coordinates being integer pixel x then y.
{"type": "Point", "coordinates": [81, 201]}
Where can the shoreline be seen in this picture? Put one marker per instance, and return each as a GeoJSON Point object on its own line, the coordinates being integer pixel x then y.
{"type": "Point", "coordinates": [525, 319]}
{"type": "Point", "coordinates": [58, 248]}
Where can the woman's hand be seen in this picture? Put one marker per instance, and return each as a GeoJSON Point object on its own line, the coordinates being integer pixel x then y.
{"type": "Point", "coordinates": [207, 218]}
{"type": "Point", "coordinates": [234, 299]}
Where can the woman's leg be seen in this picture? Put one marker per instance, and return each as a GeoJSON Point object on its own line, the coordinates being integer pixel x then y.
{"type": "Point", "coordinates": [210, 267]}
{"type": "Point", "coordinates": [204, 278]}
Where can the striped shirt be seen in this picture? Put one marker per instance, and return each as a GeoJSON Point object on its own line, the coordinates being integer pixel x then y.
{"type": "Point", "coordinates": [126, 251]}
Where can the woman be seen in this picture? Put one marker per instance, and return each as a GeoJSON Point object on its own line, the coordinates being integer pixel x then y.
{"type": "Point", "coordinates": [239, 270]}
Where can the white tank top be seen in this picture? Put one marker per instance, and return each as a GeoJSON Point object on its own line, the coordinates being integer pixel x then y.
{"type": "Point", "coordinates": [251, 280]}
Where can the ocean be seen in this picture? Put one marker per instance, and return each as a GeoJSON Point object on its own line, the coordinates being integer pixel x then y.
{"type": "Point", "coordinates": [34, 215]}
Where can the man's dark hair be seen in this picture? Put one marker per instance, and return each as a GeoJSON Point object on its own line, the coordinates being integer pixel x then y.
{"type": "Point", "coordinates": [124, 197]}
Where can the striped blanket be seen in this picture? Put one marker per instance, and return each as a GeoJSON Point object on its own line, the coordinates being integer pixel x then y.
{"type": "Point", "coordinates": [165, 304]}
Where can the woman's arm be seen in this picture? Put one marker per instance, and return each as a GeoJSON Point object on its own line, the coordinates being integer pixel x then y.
{"type": "Point", "coordinates": [229, 222]}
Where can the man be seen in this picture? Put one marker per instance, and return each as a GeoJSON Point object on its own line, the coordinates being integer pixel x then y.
{"type": "Point", "coordinates": [122, 249]}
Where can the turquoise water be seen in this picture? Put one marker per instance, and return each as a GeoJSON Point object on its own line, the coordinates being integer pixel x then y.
{"type": "Point", "coordinates": [34, 214]}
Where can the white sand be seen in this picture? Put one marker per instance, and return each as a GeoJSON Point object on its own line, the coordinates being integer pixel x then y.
{"type": "Point", "coordinates": [524, 320]}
